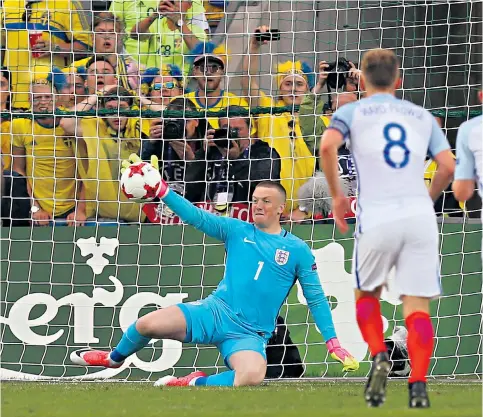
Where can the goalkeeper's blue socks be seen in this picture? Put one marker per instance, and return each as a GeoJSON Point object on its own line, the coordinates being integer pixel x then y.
{"type": "Point", "coordinates": [225, 379]}
{"type": "Point", "coordinates": [131, 342]}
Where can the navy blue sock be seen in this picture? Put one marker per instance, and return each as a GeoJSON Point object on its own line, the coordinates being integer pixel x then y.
{"type": "Point", "coordinates": [131, 342]}
{"type": "Point", "coordinates": [225, 379]}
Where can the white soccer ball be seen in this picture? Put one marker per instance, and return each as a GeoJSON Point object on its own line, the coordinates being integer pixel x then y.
{"type": "Point", "coordinates": [141, 182]}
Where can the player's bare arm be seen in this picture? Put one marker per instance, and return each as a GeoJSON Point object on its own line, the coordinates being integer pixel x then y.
{"type": "Point", "coordinates": [463, 190]}
{"type": "Point", "coordinates": [444, 173]}
{"type": "Point", "coordinates": [468, 158]}
{"type": "Point", "coordinates": [332, 140]}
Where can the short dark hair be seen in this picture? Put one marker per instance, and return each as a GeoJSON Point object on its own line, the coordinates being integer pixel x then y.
{"type": "Point", "coordinates": [236, 109]}
{"type": "Point", "coordinates": [380, 67]}
{"type": "Point", "coordinates": [185, 104]}
{"type": "Point", "coordinates": [181, 104]}
{"type": "Point", "coordinates": [99, 58]}
{"type": "Point", "coordinates": [273, 184]}
{"type": "Point", "coordinates": [117, 94]}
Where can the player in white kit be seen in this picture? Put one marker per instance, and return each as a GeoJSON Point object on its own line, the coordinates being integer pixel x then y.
{"type": "Point", "coordinates": [469, 159]}
{"type": "Point", "coordinates": [396, 224]}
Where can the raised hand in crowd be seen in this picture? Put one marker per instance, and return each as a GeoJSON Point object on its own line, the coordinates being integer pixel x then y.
{"type": "Point", "coordinates": [170, 10]}
{"type": "Point", "coordinates": [45, 47]}
{"type": "Point", "coordinates": [322, 78]}
{"type": "Point", "coordinates": [156, 129]}
{"type": "Point", "coordinates": [232, 153]}
{"type": "Point", "coordinates": [353, 78]}
{"type": "Point", "coordinates": [181, 148]}
{"type": "Point", "coordinates": [209, 142]}
{"type": "Point", "coordinates": [255, 41]}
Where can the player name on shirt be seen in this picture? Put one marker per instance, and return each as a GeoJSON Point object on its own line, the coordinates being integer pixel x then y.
{"type": "Point", "coordinates": [383, 108]}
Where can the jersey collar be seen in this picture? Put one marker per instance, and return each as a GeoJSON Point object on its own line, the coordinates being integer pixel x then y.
{"type": "Point", "coordinates": [197, 92]}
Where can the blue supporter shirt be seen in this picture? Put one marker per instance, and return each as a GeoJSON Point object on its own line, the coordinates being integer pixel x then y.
{"type": "Point", "coordinates": [260, 270]}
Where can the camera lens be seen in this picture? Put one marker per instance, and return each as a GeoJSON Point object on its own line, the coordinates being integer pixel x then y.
{"type": "Point", "coordinates": [233, 133]}
{"type": "Point", "coordinates": [336, 78]}
{"type": "Point", "coordinates": [174, 129]}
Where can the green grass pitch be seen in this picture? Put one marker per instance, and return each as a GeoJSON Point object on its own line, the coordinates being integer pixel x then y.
{"type": "Point", "coordinates": [306, 399]}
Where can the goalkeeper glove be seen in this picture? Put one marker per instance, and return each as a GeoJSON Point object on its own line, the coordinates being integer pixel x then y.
{"type": "Point", "coordinates": [134, 159]}
{"type": "Point", "coordinates": [340, 354]}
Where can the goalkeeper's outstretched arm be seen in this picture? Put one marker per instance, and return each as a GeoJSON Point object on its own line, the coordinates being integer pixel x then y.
{"type": "Point", "coordinates": [320, 309]}
{"type": "Point", "coordinates": [214, 226]}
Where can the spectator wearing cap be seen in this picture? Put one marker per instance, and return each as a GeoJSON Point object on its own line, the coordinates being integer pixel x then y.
{"type": "Point", "coordinates": [44, 154]}
{"type": "Point", "coordinates": [108, 42]}
{"type": "Point", "coordinates": [130, 12]}
{"type": "Point", "coordinates": [158, 88]}
{"type": "Point", "coordinates": [215, 11]}
{"type": "Point", "coordinates": [208, 70]}
{"type": "Point", "coordinates": [37, 34]}
{"type": "Point", "coordinates": [282, 131]}
{"type": "Point", "coordinates": [102, 143]}
{"type": "Point", "coordinates": [171, 34]}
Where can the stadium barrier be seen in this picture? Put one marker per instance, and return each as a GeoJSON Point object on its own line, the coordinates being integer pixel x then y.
{"type": "Point", "coordinates": [65, 288]}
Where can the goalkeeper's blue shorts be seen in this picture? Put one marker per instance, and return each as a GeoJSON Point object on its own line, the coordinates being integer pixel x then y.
{"type": "Point", "coordinates": [209, 322]}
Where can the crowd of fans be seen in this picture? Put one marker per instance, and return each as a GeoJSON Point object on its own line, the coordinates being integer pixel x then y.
{"type": "Point", "coordinates": [140, 57]}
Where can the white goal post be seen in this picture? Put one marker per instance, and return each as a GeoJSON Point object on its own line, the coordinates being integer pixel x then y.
{"type": "Point", "coordinates": [63, 288]}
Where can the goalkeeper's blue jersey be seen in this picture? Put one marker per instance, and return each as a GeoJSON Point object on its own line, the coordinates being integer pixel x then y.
{"type": "Point", "coordinates": [260, 270]}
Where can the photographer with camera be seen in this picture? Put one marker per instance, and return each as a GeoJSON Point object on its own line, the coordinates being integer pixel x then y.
{"type": "Point", "coordinates": [230, 164]}
{"type": "Point", "coordinates": [281, 130]}
{"type": "Point", "coordinates": [314, 111]}
{"type": "Point", "coordinates": [314, 119]}
{"type": "Point", "coordinates": [343, 77]}
{"type": "Point", "coordinates": [174, 141]}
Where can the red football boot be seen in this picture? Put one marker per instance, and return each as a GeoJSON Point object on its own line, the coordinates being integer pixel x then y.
{"type": "Point", "coordinates": [184, 381]}
{"type": "Point", "coordinates": [89, 357]}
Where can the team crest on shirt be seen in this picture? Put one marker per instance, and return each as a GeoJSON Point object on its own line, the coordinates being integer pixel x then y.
{"type": "Point", "coordinates": [281, 256]}
{"type": "Point", "coordinates": [178, 43]}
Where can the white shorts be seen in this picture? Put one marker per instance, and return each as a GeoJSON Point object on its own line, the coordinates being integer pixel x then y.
{"type": "Point", "coordinates": [409, 245]}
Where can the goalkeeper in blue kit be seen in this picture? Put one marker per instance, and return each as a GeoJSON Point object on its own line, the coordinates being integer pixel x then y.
{"type": "Point", "coordinates": [263, 262]}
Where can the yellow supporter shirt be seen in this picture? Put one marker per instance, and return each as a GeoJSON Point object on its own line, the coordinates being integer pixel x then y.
{"type": "Point", "coordinates": [6, 144]}
{"type": "Point", "coordinates": [170, 48]}
{"type": "Point", "coordinates": [298, 164]}
{"type": "Point", "coordinates": [226, 100]}
{"type": "Point", "coordinates": [59, 20]}
{"type": "Point", "coordinates": [100, 155]}
{"type": "Point", "coordinates": [133, 11]}
{"type": "Point", "coordinates": [430, 168]}
{"type": "Point", "coordinates": [50, 164]}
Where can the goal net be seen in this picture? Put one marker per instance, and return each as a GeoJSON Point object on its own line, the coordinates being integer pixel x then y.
{"type": "Point", "coordinates": [64, 288]}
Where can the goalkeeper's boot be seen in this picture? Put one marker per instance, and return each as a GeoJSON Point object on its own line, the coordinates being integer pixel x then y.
{"type": "Point", "coordinates": [184, 381]}
{"type": "Point", "coordinates": [89, 357]}
{"type": "Point", "coordinates": [418, 397]}
{"type": "Point", "coordinates": [375, 393]}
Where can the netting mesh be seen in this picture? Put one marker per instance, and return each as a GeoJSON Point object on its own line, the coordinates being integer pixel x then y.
{"type": "Point", "coordinates": [67, 287]}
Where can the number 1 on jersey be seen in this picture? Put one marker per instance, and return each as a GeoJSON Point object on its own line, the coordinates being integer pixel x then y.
{"type": "Point", "coordinates": [260, 266]}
